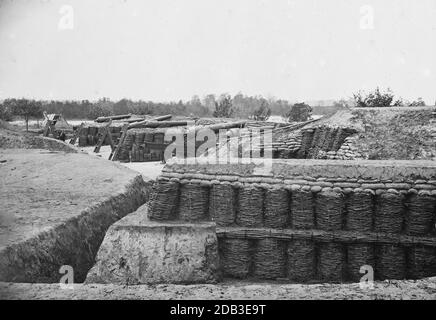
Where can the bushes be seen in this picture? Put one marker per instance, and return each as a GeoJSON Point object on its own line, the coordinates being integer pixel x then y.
{"type": "Point", "coordinates": [401, 136]}
{"type": "Point", "coordinates": [5, 112]}
{"type": "Point", "coordinates": [223, 108]}
{"type": "Point", "coordinates": [263, 112]}
{"type": "Point", "coordinates": [376, 99]}
{"type": "Point", "coordinates": [24, 108]}
{"type": "Point", "coordinates": [299, 112]}
{"type": "Point", "coordinates": [417, 103]}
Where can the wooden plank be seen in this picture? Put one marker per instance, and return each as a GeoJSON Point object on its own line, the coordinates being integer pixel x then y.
{"type": "Point", "coordinates": [76, 134]}
{"type": "Point", "coordinates": [114, 154]}
{"type": "Point", "coordinates": [111, 142]}
{"type": "Point", "coordinates": [102, 137]}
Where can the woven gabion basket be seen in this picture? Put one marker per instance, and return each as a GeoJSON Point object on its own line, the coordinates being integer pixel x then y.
{"type": "Point", "coordinates": [302, 212]}
{"type": "Point", "coordinates": [250, 207]}
{"type": "Point", "coordinates": [163, 201]}
{"type": "Point", "coordinates": [301, 264]}
{"type": "Point", "coordinates": [330, 262]}
{"type": "Point", "coordinates": [330, 207]}
{"type": "Point", "coordinates": [391, 262]}
{"type": "Point", "coordinates": [389, 213]}
{"type": "Point", "coordinates": [422, 262]}
{"type": "Point", "coordinates": [223, 204]}
{"type": "Point", "coordinates": [193, 205]}
{"type": "Point", "coordinates": [359, 211]}
{"type": "Point", "coordinates": [277, 210]}
{"type": "Point", "coordinates": [235, 257]}
{"type": "Point", "coordinates": [359, 255]}
{"type": "Point", "coordinates": [420, 220]}
{"type": "Point", "coordinates": [270, 259]}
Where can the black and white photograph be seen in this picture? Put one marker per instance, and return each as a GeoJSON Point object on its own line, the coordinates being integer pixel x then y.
{"type": "Point", "coordinates": [228, 152]}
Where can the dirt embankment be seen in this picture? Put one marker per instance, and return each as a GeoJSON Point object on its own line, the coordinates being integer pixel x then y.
{"type": "Point", "coordinates": [396, 133]}
{"type": "Point", "coordinates": [12, 138]}
{"type": "Point", "coordinates": [56, 208]}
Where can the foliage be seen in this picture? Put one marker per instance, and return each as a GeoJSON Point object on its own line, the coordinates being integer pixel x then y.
{"type": "Point", "coordinates": [102, 108]}
{"type": "Point", "coordinates": [375, 99]}
{"type": "Point", "coordinates": [5, 111]}
{"type": "Point", "coordinates": [405, 136]}
{"type": "Point", "coordinates": [224, 107]}
{"type": "Point", "coordinates": [25, 108]}
{"type": "Point", "coordinates": [417, 103]}
{"type": "Point", "coordinates": [299, 112]}
{"type": "Point", "coordinates": [263, 112]}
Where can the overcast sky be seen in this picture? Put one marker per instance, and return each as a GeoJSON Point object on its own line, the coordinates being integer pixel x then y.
{"type": "Point", "coordinates": [168, 50]}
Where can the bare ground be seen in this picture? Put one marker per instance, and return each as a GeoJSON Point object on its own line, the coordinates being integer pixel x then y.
{"type": "Point", "coordinates": [148, 170]}
{"type": "Point", "coordinates": [408, 290]}
{"type": "Point", "coordinates": [40, 189]}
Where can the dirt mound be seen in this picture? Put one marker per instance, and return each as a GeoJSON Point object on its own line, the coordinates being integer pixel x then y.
{"type": "Point", "coordinates": [397, 133]}
{"type": "Point", "coordinates": [58, 214]}
{"type": "Point", "coordinates": [401, 134]}
{"type": "Point", "coordinates": [13, 139]}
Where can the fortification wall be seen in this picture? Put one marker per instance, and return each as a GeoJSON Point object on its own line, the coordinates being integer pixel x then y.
{"type": "Point", "coordinates": [89, 135]}
{"type": "Point", "coordinates": [313, 143]}
{"type": "Point", "coordinates": [310, 220]}
{"type": "Point", "coordinates": [144, 144]}
{"type": "Point", "coordinates": [17, 140]}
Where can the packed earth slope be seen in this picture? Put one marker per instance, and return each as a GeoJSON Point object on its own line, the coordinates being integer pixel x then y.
{"type": "Point", "coordinates": [12, 137]}
{"type": "Point", "coordinates": [55, 209]}
{"type": "Point", "coordinates": [394, 133]}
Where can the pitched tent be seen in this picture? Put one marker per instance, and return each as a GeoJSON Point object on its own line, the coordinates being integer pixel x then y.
{"type": "Point", "coordinates": [60, 121]}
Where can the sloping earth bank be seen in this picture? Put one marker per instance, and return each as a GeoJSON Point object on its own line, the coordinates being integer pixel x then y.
{"type": "Point", "coordinates": [400, 133]}
{"type": "Point", "coordinates": [55, 209]}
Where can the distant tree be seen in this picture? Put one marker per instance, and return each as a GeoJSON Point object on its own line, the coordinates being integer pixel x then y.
{"type": "Point", "coordinates": [26, 109]}
{"type": "Point", "coordinates": [279, 107]}
{"type": "Point", "coordinates": [373, 99]}
{"type": "Point", "coordinates": [263, 112]}
{"type": "Point", "coordinates": [196, 108]}
{"type": "Point", "coordinates": [417, 103]}
{"type": "Point", "coordinates": [5, 110]}
{"type": "Point", "coordinates": [102, 108]}
{"type": "Point", "coordinates": [122, 107]}
{"type": "Point", "coordinates": [209, 102]}
{"type": "Point", "coordinates": [224, 107]}
{"type": "Point", "coordinates": [299, 112]}
{"type": "Point", "coordinates": [399, 103]}
{"type": "Point", "coordinates": [341, 104]}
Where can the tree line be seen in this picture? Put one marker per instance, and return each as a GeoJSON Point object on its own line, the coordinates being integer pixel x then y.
{"type": "Point", "coordinates": [238, 106]}
{"type": "Point", "coordinates": [223, 106]}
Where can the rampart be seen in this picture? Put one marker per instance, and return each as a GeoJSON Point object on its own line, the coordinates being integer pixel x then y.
{"type": "Point", "coordinates": [310, 220]}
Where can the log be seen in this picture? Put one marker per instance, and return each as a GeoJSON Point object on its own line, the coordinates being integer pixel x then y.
{"type": "Point", "coordinates": [118, 117]}
{"type": "Point", "coordinates": [221, 126]}
{"type": "Point", "coordinates": [157, 122]}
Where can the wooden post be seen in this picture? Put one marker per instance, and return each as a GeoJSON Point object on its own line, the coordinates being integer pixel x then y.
{"type": "Point", "coordinates": [76, 134]}
{"type": "Point", "coordinates": [114, 154]}
{"type": "Point", "coordinates": [102, 137]}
